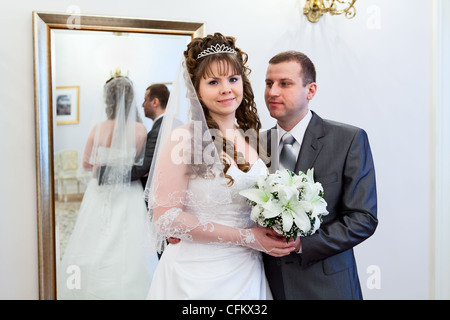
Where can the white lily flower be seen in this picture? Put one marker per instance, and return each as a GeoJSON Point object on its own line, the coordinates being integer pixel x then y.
{"type": "Point", "coordinates": [313, 191]}
{"type": "Point", "coordinates": [256, 212]}
{"type": "Point", "coordinates": [272, 180]}
{"type": "Point", "coordinates": [315, 226]}
{"type": "Point", "coordinates": [312, 195]}
{"type": "Point", "coordinates": [288, 194]}
{"type": "Point", "coordinates": [319, 207]}
{"type": "Point", "coordinates": [272, 208]}
{"type": "Point", "coordinates": [288, 220]}
{"type": "Point", "coordinates": [261, 182]}
{"type": "Point", "coordinates": [310, 175]}
{"type": "Point", "coordinates": [301, 219]}
{"type": "Point", "coordinates": [255, 195]}
{"type": "Point", "coordinates": [289, 179]}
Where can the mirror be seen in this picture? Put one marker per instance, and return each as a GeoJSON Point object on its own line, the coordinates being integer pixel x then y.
{"type": "Point", "coordinates": [72, 61]}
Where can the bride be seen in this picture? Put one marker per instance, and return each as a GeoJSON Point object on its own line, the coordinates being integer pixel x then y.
{"type": "Point", "coordinates": [198, 170]}
{"type": "Point", "coordinates": [107, 247]}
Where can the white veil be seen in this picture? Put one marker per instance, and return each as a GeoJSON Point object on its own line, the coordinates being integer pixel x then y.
{"type": "Point", "coordinates": [117, 139]}
{"type": "Point", "coordinates": [186, 151]}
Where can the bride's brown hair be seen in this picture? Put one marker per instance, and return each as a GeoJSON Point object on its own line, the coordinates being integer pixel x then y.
{"type": "Point", "coordinates": [246, 114]}
{"type": "Point", "coordinates": [113, 89]}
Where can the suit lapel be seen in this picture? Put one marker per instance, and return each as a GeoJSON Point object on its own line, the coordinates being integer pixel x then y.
{"type": "Point", "coordinates": [156, 125]}
{"type": "Point", "coordinates": [311, 145]}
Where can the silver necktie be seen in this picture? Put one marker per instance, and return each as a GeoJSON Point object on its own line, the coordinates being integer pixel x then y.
{"type": "Point", "coordinates": [288, 158]}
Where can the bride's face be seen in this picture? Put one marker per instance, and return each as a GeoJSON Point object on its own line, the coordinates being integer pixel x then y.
{"type": "Point", "coordinates": [221, 90]}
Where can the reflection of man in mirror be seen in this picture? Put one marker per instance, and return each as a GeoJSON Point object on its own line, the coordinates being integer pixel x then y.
{"type": "Point", "coordinates": [155, 101]}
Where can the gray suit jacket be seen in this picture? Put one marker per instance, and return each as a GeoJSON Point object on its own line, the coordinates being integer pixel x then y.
{"type": "Point", "coordinates": [326, 269]}
{"type": "Point", "coordinates": [139, 172]}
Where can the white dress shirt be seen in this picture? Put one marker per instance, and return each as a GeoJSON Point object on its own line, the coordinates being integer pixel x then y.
{"type": "Point", "coordinates": [156, 119]}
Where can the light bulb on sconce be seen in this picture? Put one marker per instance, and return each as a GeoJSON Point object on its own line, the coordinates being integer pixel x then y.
{"type": "Point", "coordinates": [118, 73]}
{"type": "Point", "coordinates": [314, 9]}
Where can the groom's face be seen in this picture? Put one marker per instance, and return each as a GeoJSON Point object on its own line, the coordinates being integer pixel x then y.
{"type": "Point", "coordinates": [285, 95]}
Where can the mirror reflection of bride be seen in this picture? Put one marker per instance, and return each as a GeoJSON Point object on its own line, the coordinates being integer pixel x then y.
{"type": "Point", "coordinates": [106, 257]}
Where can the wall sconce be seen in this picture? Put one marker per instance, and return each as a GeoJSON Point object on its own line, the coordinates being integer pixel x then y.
{"type": "Point", "coordinates": [118, 73]}
{"type": "Point", "coordinates": [314, 9]}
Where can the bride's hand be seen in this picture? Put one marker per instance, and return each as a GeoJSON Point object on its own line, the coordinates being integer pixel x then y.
{"type": "Point", "coordinates": [172, 240]}
{"type": "Point", "coordinates": [295, 243]}
{"type": "Point", "coordinates": [268, 241]}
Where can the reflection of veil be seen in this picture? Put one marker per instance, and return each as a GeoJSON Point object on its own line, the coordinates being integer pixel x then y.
{"type": "Point", "coordinates": [117, 139]}
{"type": "Point", "coordinates": [108, 247]}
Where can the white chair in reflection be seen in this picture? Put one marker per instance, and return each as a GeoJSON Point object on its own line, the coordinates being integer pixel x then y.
{"type": "Point", "coordinates": [66, 167]}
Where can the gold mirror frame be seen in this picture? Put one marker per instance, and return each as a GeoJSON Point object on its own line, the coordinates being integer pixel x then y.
{"type": "Point", "coordinates": [43, 23]}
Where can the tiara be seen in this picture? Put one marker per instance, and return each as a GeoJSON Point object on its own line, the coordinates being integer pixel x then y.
{"type": "Point", "coordinates": [216, 49]}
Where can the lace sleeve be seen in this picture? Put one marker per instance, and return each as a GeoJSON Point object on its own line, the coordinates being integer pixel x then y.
{"type": "Point", "coordinates": [178, 224]}
{"type": "Point", "coordinates": [169, 196]}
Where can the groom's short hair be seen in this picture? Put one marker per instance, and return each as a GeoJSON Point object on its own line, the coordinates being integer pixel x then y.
{"type": "Point", "coordinates": [160, 91]}
{"type": "Point", "coordinates": [308, 69]}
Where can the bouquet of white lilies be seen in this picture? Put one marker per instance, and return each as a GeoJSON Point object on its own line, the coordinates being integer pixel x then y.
{"type": "Point", "coordinates": [290, 204]}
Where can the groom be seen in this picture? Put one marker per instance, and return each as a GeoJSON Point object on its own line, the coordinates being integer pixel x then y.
{"type": "Point", "coordinates": [154, 105]}
{"type": "Point", "coordinates": [323, 265]}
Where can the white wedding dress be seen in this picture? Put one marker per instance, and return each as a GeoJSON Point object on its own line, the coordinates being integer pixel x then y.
{"type": "Point", "coordinates": [107, 250]}
{"type": "Point", "coordinates": [190, 270]}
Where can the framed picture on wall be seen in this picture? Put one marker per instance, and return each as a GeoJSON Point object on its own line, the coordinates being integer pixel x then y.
{"type": "Point", "coordinates": [67, 101]}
